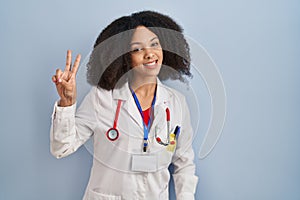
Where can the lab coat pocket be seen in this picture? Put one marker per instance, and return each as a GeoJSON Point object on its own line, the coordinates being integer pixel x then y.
{"type": "Point", "coordinates": [100, 196]}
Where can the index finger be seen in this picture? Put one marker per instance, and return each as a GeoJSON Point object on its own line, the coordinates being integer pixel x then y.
{"type": "Point", "coordinates": [68, 60]}
{"type": "Point", "coordinates": [76, 64]}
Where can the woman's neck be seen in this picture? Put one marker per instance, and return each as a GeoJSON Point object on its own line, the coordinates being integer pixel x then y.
{"type": "Point", "coordinates": [144, 91]}
{"type": "Point", "coordinates": [143, 88]}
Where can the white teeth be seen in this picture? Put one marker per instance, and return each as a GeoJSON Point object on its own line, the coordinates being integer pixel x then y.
{"type": "Point", "coordinates": [150, 64]}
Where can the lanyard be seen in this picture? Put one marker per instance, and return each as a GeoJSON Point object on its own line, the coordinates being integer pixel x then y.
{"type": "Point", "coordinates": [146, 127]}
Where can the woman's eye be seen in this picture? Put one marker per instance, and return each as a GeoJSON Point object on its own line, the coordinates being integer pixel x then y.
{"type": "Point", "coordinates": [137, 49]}
{"type": "Point", "coordinates": [155, 44]}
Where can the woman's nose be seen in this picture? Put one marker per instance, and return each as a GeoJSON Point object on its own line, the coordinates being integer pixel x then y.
{"type": "Point", "coordinates": [149, 53]}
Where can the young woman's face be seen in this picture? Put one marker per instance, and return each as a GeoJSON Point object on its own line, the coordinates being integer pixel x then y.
{"type": "Point", "coordinates": [146, 52]}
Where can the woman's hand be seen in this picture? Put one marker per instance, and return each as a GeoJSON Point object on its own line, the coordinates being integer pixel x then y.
{"type": "Point", "coordinates": [66, 81]}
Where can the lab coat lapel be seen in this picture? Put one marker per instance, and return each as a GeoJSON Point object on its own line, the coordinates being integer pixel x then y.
{"type": "Point", "coordinates": [134, 112]}
{"type": "Point", "coordinates": [129, 105]}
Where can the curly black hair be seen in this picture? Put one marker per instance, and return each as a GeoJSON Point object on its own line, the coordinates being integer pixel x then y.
{"type": "Point", "coordinates": [110, 59]}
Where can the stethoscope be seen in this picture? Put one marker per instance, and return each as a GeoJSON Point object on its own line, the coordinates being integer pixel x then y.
{"type": "Point", "coordinates": [113, 133]}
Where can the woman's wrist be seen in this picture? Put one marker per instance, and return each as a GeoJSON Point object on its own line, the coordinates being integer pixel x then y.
{"type": "Point", "coordinates": [65, 102]}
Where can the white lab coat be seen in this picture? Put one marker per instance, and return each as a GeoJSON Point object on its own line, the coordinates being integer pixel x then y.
{"type": "Point", "coordinates": [121, 170]}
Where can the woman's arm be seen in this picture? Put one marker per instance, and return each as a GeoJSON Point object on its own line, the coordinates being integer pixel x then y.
{"type": "Point", "coordinates": [70, 128]}
{"type": "Point", "coordinates": [69, 131]}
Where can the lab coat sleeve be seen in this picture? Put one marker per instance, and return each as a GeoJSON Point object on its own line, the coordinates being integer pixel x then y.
{"type": "Point", "coordinates": [184, 176]}
{"type": "Point", "coordinates": [71, 128]}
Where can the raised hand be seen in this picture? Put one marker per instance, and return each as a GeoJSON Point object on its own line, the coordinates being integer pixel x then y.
{"type": "Point", "coordinates": [65, 81]}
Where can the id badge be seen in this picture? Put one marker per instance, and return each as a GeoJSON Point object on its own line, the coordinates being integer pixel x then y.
{"type": "Point", "coordinates": [144, 163]}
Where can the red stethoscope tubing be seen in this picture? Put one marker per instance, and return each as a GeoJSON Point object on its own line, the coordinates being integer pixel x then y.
{"type": "Point", "coordinates": [112, 134]}
{"type": "Point", "coordinates": [117, 114]}
{"type": "Point", "coordinates": [158, 139]}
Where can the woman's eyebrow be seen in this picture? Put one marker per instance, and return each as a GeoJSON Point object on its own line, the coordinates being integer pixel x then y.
{"type": "Point", "coordinates": [153, 39]}
{"type": "Point", "coordinates": [133, 43]}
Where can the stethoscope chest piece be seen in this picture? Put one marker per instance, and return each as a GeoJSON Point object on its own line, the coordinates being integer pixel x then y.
{"type": "Point", "coordinates": [112, 134]}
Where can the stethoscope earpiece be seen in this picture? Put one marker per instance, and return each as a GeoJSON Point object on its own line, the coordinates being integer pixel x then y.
{"type": "Point", "coordinates": [158, 140]}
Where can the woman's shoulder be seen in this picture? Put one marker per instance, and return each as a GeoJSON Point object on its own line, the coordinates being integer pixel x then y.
{"type": "Point", "coordinates": [173, 92]}
{"type": "Point", "coordinates": [99, 90]}
{"type": "Point", "coordinates": [99, 96]}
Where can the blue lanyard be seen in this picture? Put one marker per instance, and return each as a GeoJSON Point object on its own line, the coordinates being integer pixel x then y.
{"type": "Point", "coordinates": [146, 127]}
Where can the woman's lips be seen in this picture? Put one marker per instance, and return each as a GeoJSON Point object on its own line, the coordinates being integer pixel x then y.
{"type": "Point", "coordinates": [151, 64]}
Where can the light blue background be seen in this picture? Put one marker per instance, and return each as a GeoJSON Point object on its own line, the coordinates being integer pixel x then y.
{"type": "Point", "coordinates": [254, 43]}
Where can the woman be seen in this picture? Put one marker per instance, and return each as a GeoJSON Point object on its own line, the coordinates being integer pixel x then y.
{"type": "Point", "coordinates": [139, 125]}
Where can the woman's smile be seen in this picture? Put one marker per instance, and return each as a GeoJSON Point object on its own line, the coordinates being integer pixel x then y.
{"type": "Point", "coordinates": [151, 64]}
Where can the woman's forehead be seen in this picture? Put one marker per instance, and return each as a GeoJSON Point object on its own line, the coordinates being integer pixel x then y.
{"type": "Point", "coordinates": [142, 35]}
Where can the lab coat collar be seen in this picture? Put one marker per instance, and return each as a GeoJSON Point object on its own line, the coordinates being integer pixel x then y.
{"type": "Point", "coordinates": [123, 93]}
